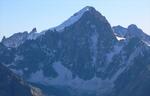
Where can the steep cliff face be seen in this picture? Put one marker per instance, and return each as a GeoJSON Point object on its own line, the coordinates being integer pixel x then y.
{"type": "Point", "coordinates": [82, 56]}
{"type": "Point", "coordinates": [133, 79]}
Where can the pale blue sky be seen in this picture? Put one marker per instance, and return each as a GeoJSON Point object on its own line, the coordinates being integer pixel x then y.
{"type": "Point", "coordinates": [23, 15]}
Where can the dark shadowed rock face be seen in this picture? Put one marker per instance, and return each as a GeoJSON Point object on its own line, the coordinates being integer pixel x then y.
{"type": "Point", "coordinates": [82, 57]}
{"type": "Point", "coordinates": [34, 30]}
{"type": "Point", "coordinates": [11, 85]}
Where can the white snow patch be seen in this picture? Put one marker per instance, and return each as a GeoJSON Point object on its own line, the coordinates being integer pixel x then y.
{"type": "Point", "coordinates": [34, 35]}
{"type": "Point", "coordinates": [120, 38]}
{"type": "Point", "coordinates": [91, 85]}
{"type": "Point", "coordinates": [71, 20]}
{"type": "Point", "coordinates": [62, 71]}
{"type": "Point", "coordinates": [147, 43]}
{"type": "Point", "coordinates": [65, 78]}
{"type": "Point", "coordinates": [64, 75]}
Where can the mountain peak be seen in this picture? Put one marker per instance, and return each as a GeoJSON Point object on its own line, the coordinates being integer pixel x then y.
{"type": "Point", "coordinates": [34, 30]}
{"type": "Point", "coordinates": [77, 16]}
{"type": "Point", "coordinates": [120, 31]}
{"type": "Point", "coordinates": [88, 8]}
{"type": "Point", "coordinates": [3, 39]}
{"type": "Point", "coordinates": [132, 26]}
{"type": "Point", "coordinates": [134, 29]}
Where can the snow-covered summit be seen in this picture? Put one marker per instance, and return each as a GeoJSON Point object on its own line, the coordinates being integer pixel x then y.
{"type": "Point", "coordinates": [73, 19]}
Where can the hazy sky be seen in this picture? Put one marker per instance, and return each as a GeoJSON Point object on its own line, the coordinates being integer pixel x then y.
{"type": "Point", "coordinates": [23, 15]}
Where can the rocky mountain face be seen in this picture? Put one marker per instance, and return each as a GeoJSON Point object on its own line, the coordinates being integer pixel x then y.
{"type": "Point", "coordinates": [130, 32]}
{"type": "Point", "coordinates": [83, 57]}
{"type": "Point", "coordinates": [19, 38]}
{"type": "Point", "coordinates": [12, 85]}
